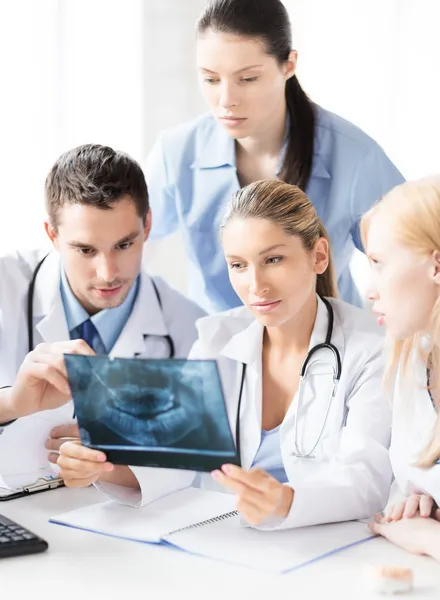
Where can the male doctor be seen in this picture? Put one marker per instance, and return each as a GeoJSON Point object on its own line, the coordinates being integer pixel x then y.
{"type": "Point", "coordinates": [89, 295]}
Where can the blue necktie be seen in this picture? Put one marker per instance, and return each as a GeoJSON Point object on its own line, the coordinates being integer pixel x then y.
{"type": "Point", "coordinates": [88, 332]}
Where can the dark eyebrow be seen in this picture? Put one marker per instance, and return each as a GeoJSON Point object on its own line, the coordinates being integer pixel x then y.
{"type": "Point", "coordinates": [128, 238]}
{"type": "Point", "coordinates": [235, 72]}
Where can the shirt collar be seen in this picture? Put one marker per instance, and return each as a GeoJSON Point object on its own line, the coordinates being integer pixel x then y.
{"type": "Point", "coordinates": [218, 149]}
{"type": "Point", "coordinates": [246, 345]}
{"type": "Point", "coordinates": [108, 322]}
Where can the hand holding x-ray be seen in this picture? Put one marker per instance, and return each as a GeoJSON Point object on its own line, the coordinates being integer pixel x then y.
{"type": "Point", "coordinates": [167, 407]}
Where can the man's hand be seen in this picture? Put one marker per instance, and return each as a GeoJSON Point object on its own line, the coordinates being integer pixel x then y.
{"type": "Point", "coordinates": [259, 495]}
{"type": "Point", "coordinates": [41, 382]}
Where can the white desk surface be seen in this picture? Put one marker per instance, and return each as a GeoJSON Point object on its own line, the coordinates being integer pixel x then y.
{"type": "Point", "coordinates": [85, 565]}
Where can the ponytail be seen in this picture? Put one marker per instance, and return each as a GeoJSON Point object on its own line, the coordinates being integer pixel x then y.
{"type": "Point", "coordinates": [298, 160]}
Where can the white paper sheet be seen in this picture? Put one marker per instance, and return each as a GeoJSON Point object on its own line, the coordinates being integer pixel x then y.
{"type": "Point", "coordinates": [23, 456]}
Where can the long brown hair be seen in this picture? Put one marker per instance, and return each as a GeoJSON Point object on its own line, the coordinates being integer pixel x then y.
{"type": "Point", "coordinates": [288, 207]}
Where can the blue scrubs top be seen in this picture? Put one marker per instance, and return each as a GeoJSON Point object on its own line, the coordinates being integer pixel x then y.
{"type": "Point", "coordinates": [191, 174]}
{"type": "Point", "coordinates": [268, 457]}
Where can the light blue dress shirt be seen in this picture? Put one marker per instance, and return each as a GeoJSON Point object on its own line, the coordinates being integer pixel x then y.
{"type": "Point", "coordinates": [191, 175]}
{"type": "Point", "coordinates": [269, 457]}
{"type": "Point", "coordinates": [108, 322]}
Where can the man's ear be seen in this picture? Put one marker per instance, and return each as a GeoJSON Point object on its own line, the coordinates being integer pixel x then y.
{"type": "Point", "coordinates": [51, 234]}
{"type": "Point", "coordinates": [148, 223]}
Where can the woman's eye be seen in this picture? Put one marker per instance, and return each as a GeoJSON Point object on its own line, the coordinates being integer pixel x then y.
{"type": "Point", "coordinates": [236, 265]}
{"type": "Point", "coordinates": [210, 80]}
{"type": "Point", "coordinates": [249, 79]}
{"type": "Point", "coordinates": [376, 265]}
{"type": "Point", "coordinates": [86, 251]}
{"type": "Point", "coordinates": [273, 260]}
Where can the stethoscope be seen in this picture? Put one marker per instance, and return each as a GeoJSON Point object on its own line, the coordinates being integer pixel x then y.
{"type": "Point", "coordinates": [337, 368]}
{"type": "Point", "coordinates": [30, 313]}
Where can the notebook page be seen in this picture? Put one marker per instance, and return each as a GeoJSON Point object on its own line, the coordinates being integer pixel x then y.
{"type": "Point", "coordinates": [274, 551]}
{"type": "Point", "coordinates": [149, 524]}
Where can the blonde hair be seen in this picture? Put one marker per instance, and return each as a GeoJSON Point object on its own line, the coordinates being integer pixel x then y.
{"type": "Point", "coordinates": [288, 207]}
{"type": "Point", "coordinates": [413, 210]}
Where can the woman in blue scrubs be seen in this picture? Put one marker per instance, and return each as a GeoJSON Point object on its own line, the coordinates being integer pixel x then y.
{"type": "Point", "coordinates": [261, 125]}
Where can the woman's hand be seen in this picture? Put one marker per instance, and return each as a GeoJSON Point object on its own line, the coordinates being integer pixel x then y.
{"type": "Point", "coordinates": [80, 466]}
{"type": "Point", "coordinates": [419, 505]}
{"type": "Point", "coordinates": [58, 436]}
{"type": "Point", "coordinates": [418, 535]}
{"type": "Point", "coordinates": [259, 496]}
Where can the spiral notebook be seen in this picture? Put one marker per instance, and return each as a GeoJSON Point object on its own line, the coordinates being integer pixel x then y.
{"type": "Point", "coordinates": [206, 523]}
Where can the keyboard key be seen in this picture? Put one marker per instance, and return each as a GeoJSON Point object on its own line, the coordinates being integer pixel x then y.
{"type": "Point", "coordinates": [16, 539]}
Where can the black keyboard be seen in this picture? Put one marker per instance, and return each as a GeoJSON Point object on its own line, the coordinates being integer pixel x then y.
{"type": "Point", "coordinates": [16, 540]}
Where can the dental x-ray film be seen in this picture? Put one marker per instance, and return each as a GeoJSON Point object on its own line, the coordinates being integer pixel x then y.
{"type": "Point", "coordinates": [152, 412]}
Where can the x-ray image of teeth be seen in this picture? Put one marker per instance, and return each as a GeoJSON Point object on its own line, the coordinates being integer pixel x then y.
{"type": "Point", "coordinates": [159, 405]}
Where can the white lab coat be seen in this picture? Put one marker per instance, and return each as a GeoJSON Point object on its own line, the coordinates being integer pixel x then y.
{"type": "Point", "coordinates": [351, 474]}
{"type": "Point", "coordinates": [142, 335]}
{"type": "Point", "coordinates": [414, 419]}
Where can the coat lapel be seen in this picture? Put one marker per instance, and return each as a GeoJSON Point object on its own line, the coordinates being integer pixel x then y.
{"type": "Point", "coordinates": [48, 311]}
{"type": "Point", "coordinates": [245, 348]}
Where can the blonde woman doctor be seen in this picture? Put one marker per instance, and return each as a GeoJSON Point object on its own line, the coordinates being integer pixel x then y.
{"type": "Point", "coordinates": [402, 237]}
{"type": "Point", "coordinates": [311, 453]}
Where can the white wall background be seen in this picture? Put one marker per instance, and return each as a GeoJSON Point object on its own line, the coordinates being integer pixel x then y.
{"type": "Point", "coordinates": [376, 63]}
{"type": "Point", "coordinates": [117, 72]}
